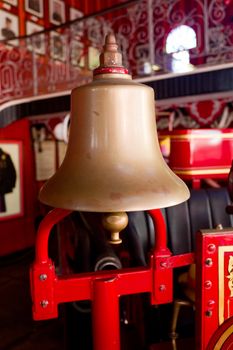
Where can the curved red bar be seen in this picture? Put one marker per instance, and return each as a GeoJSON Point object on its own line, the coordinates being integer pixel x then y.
{"type": "Point", "coordinates": [160, 230]}
{"type": "Point", "coordinates": [51, 219]}
{"type": "Point", "coordinates": [56, 215]}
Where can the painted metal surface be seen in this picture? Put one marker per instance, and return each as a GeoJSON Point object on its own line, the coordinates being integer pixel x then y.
{"type": "Point", "coordinates": [214, 287]}
{"type": "Point", "coordinates": [214, 293]}
{"type": "Point", "coordinates": [103, 288]}
{"type": "Point", "coordinates": [200, 153]}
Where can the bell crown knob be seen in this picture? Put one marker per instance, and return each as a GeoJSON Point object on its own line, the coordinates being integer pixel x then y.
{"type": "Point", "coordinates": [110, 57]}
{"type": "Point", "coordinates": [110, 43]}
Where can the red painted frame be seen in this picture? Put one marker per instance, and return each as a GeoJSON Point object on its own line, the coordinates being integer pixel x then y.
{"type": "Point", "coordinates": [214, 303]}
{"type": "Point", "coordinates": [103, 287]}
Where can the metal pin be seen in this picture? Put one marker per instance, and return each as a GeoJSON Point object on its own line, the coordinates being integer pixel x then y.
{"type": "Point", "coordinates": [211, 248]}
{"type": "Point", "coordinates": [208, 284]}
{"type": "Point", "coordinates": [163, 264]}
{"type": "Point", "coordinates": [44, 303]}
{"type": "Point", "coordinates": [43, 277]}
{"type": "Point", "coordinates": [209, 262]}
{"type": "Point", "coordinates": [162, 288]}
{"type": "Point", "coordinates": [209, 313]}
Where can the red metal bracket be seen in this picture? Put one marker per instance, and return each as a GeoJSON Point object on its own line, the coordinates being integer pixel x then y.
{"type": "Point", "coordinates": [104, 287]}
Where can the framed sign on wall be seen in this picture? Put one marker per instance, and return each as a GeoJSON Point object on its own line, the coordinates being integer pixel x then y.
{"type": "Point", "coordinates": [57, 46]}
{"type": "Point", "coordinates": [11, 179]}
{"type": "Point", "coordinates": [79, 26]}
{"type": "Point", "coordinates": [36, 42]}
{"type": "Point", "coordinates": [35, 7]}
{"type": "Point", "coordinates": [56, 11]}
{"type": "Point", "coordinates": [9, 26]}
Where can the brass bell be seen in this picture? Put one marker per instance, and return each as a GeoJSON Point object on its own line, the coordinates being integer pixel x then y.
{"type": "Point", "coordinates": [113, 161]}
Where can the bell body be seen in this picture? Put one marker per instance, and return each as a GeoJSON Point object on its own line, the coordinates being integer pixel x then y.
{"type": "Point", "coordinates": [113, 160]}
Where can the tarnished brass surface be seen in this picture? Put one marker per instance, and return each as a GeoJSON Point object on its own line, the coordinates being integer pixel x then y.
{"type": "Point", "coordinates": [115, 223]}
{"type": "Point", "coordinates": [110, 56]}
{"type": "Point", "coordinates": [113, 161]}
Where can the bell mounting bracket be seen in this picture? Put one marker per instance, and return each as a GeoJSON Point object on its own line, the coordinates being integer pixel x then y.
{"type": "Point", "coordinates": [103, 288]}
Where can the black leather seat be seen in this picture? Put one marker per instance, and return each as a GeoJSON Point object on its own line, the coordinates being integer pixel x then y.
{"type": "Point", "coordinates": [205, 209]}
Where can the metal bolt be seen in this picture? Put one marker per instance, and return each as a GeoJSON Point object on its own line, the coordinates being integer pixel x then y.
{"type": "Point", "coordinates": [209, 313]}
{"type": "Point", "coordinates": [211, 303]}
{"type": "Point", "coordinates": [43, 277]}
{"type": "Point", "coordinates": [163, 264]}
{"type": "Point", "coordinates": [209, 262]}
{"type": "Point", "coordinates": [211, 248]}
{"type": "Point", "coordinates": [44, 303]}
{"type": "Point", "coordinates": [162, 288]}
{"type": "Point", "coordinates": [208, 284]}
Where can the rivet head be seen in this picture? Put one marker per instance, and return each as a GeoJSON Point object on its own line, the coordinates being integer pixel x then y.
{"type": "Point", "coordinates": [211, 303]}
{"type": "Point", "coordinates": [208, 262]}
{"type": "Point", "coordinates": [208, 284]}
{"type": "Point", "coordinates": [162, 288]}
{"type": "Point", "coordinates": [211, 248]}
{"type": "Point", "coordinates": [209, 313]}
{"type": "Point", "coordinates": [44, 303]}
{"type": "Point", "coordinates": [163, 264]}
{"type": "Point", "coordinates": [43, 277]}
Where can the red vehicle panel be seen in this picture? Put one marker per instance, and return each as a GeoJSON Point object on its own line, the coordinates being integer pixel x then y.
{"type": "Point", "coordinates": [200, 153]}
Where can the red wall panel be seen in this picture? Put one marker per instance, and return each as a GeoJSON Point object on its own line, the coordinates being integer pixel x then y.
{"type": "Point", "coordinates": [19, 232]}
